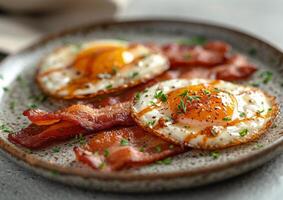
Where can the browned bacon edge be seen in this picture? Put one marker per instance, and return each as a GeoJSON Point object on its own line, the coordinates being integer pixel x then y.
{"type": "Point", "coordinates": [65, 124]}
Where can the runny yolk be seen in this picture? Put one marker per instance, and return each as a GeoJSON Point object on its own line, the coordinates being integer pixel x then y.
{"type": "Point", "coordinates": [102, 60]}
{"type": "Point", "coordinates": [201, 104]}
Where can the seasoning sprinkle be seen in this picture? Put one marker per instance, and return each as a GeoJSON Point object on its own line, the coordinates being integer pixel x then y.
{"type": "Point", "coordinates": [214, 154]}
{"type": "Point", "coordinates": [160, 95]}
{"type": "Point", "coordinates": [226, 119]}
{"type": "Point", "coordinates": [124, 142]}
{"type": "Point", "coordinates": [243, 132]}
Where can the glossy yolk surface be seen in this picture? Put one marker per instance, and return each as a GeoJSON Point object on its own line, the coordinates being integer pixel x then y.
{"type": "Point", "coordinates": [102, 59]}
{"type": "Point", "coordinates": [202, 104]}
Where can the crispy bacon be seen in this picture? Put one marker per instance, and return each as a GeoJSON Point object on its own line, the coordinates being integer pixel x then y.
{"type": "Point", "coordinates": [236, 68]}
{"type": "Point", "coordinates": [124, 148]}
{"type": "Point", "coordinates": [34, 136]}
{"type": "Point", "coordinates": [211, 54]}
{"type": "Point", "coordinates": [71, 121]}
{"type": "Point", "coordinates": [87, 117]}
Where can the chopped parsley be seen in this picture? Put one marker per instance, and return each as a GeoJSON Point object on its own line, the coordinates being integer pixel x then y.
{"type": "Point", "coordinates": [32, 106]}
{"type": "Point", "coordinates": [196, 40]}
{"type": "Point", "coordinates": [226, 119]}
{"type": "Point", "coordinates": [80, 139]}
{"type": "Point", "coordinates": [207, 92]}
{"type": "Point", "coordinates": [214, 154]}
{"type": "Point", "coordinates": [152, 103]}
{"type": "Point", "coordinates": [109, 86]}
{"type": "Point", "coordinates": [151, 123]}
{"type": "Point", "coordinates": [5, 128]}
{"type": "Point", "coordinates": [5, 89]}
{"type": "Point", "coordinates": [141, 149]}
{"type": "Point", "coordinates": [186, 126]}
{"type": "Point", "coordinates": [160, 95]}
{"type": "Point", "coordinates": [166, 161]}
{"type": "Point", "coordinates": [255, 84]}
{"type": "Point", "coordinates": [258, 146]}
{"type": "Point", "coordinates": [12, 105]}
{"type": "Point", "coordinates": [269, 110]}
{"type": "Point", "coordinates": [252, 51]}
{"type": "Point", "coordinates": [184, 94]}
{"type": "Point", "coordinates": [138, 96]}
{"type": "Point", "coordinates": [242, 114]}
{"type": "Point", "coordinates": [243, 132]}
{"type": "Point", "coordinates": [217, 90]}
{"type": "Point", "coordinates": [39, 98]}
{"type": "Point", "coordinates": [56, 149]}
{"type": "Point", "coordinates": [106, 153]}
{"type": "Point", "coordinates": [266, 76]}
{"type": "Point", "coordinates": [124, 142]}
{"type": "Point", "coordinates": [102, 165]}
{"type": "Point", "coordinates": [182, 107]}
{"type": "Point", "coordinates": [260, 111]}
{"type": "Point", "coordinates": [114, 70]}
{"type": "Point", "coordinates": [134, 75]}
{"type": "Point", "coordinates": [158, 149]}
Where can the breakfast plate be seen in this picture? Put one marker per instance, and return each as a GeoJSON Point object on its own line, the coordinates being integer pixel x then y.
{"type": "Point", "coordinates": [190, 169]}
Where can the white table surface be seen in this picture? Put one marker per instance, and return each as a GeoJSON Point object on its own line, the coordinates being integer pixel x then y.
{"type": "Point", "coordinates": [260, 17]}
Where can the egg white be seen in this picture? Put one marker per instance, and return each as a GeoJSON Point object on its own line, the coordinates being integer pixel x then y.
{"type": "Point", "coordinates": [54, 72]}
{"type": "Point", "coordinates": [250, 101]}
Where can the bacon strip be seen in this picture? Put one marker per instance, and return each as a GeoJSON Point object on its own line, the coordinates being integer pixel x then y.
{"type": "Point", "coordinates": [236, 68]}
{"type": "Point", "coordinates": [35, 137]}
{"type": "Point", "coordinates": [65, 124]}
{"type": "Point", "coordinates": [87, 117]}
{"type": "Point", "coordinates": [124, 148]}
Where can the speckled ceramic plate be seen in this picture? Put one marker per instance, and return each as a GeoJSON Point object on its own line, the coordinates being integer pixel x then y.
{"type": "Point", "coordinates": [190, 169]}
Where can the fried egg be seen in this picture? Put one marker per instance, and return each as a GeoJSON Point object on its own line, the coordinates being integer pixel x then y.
{"type": "Point", "coordinates": [204, 114]}
{"type": "Point", "coordinates": [98, 67]}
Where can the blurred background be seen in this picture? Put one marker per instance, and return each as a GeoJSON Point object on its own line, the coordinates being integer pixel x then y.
{"type": "Point", "coordinates": [24, 21]}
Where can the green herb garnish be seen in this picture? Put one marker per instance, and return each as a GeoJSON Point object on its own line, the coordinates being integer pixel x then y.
{"type": "Point", "coordinates": [214, 154]}
{"type": "Point", "coordinates": [160, 95]}
{"type": "Point", "coordinates": [266, 76]}
{"type": "Point", "coordinates": [80, 139]}
{"type": "Point", "coordinates": [138, 96]}
{"type": "Point", "coordinates": [151, 123]}
{"type": "Point", "coordinates": [226, 119]}
{"type": "Point", "coordinates": [152, 103]}
{"type": "Point", "coordinates": [5, 89]}
{"type": "Point", "coordinates": [5, 128]}
{"type": "Point", "coordinates": [12, 105]}
{"type": "Point", "coordinates": [134, 74]}
{"type": "Point", "coordinates": [243, 132]}
{"type": "Point", "coordinates": [196, 40]}
{"type": "Point", "coordinates": [182, 107]}
{"type": "Point", "coordinates": [166, 161]}
{"type": "Point", "coordinates": [32, 106]}
{"type": "Point", "coordinates": [56, 149]}
{"type": "Point", "coordinates": [124, 142]}
{"type": "Point", "coordinates": [207, 92]}
{"type": "Point", "coordinates": [106, 153]}
{"type": "Point", "coordinates": [252, 52]}
{"type": "Point", "coordinates": [109, 86]}
{"type": "Point", "coordinates": [242, 114]}
{"type": "Point", "coordinates": [158, 149]}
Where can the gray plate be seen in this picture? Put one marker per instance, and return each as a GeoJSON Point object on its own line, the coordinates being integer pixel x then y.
{"type": "Point", "coordinates": [190, 169]}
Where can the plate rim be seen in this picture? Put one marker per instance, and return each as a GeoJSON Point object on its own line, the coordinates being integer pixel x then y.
{"type": "Point", "coordinates": [32, 161]}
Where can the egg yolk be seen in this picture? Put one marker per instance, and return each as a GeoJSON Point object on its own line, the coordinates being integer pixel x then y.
{"type": "Point", "coordinates": [201, 104]}
{"type": "Point", "coordinates": [102, 59]}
